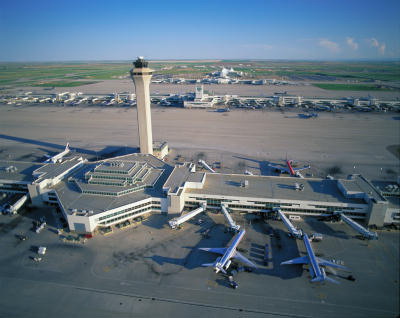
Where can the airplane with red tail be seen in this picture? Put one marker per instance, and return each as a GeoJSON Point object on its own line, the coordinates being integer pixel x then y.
{"type": "Point", "coordinates": [293, 172]}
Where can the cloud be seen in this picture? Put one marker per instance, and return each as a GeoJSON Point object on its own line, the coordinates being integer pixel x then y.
{"type": "Point", "coordinates": [374, 42]}
{"type": "Point", "coordinates": [330, 45]}
{"type": "Point", "coordinates": [380, 46]}
{"type": "Point", "coordinates": [353, 45]}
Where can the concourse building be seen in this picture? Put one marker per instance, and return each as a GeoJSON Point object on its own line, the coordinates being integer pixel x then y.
{"type": "Point", "coordinates": [96, 195]}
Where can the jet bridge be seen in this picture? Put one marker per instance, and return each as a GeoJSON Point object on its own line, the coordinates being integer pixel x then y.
{"type": "Point", "coordinates": [174, 223]}
{"type": "Point", "coordinates": [235, 227]}
{"type": "Point", "coordinates": [298, 233]}
{"type": "Point", "coordinates": [13, 209]}
{"type": "Point", "coordinates": [359, 228]}
{"type": "Point", "coordinates": [205, 165]}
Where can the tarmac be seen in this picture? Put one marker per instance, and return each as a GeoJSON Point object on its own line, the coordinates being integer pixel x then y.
{"type": "Point", "coordinates": [151, 270]}
{"type": "Point", "coordinates": [334, 143]}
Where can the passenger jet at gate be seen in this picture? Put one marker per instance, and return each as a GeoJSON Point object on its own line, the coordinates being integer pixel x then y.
{"type": "Point", "coordinates": [58, 157]}
{"type": "Point", "coordinates": [294, 172]}
{"type": "Point", "coordinates": [223, 263]}
{"type": "Point", "coordinates": [316, 264]}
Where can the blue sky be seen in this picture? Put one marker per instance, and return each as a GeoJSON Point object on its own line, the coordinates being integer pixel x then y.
{"type": "Point", "coordinates": [270, 29]}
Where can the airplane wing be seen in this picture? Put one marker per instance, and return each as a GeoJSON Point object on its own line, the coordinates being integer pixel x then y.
{"type": "Point", "coordinates": [324, 262]}
{"type": "Point", "coordinates": [300, 169]}
{"type": "Point", "coordinates": [217, 250]}
{"type": "Point", "coordinates": [281, 169]}
{"type": "Point", "coordinates": [319, 279]}
{"type": "Point", "coordinates": [298, 260]}
{"type": "Point", "coordinates": [238, 256]}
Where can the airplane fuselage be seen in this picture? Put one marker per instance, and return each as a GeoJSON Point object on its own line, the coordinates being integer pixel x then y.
{"type": "Point", "coordinates": [59, 156]}
{"type": "Point", "coordinates": [311, 255]}
{"type": "Point", "coordinates": [230, 252]}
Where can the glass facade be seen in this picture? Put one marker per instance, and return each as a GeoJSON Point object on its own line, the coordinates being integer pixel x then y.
{"type": "Point", "coordinates": [254, 206]}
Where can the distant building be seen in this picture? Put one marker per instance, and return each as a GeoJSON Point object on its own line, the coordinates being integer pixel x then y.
{"type": "Point", "coordinates": [201, 100]}
{"type": "Point", "coordinates": [227, 73]}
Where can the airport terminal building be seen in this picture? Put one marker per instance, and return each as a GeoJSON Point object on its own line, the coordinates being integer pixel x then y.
{"type": "Point", "coordinates": [95, 195]}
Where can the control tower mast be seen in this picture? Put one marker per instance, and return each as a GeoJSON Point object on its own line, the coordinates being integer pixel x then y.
{"type": "Point", "coordinates": [141, 76]}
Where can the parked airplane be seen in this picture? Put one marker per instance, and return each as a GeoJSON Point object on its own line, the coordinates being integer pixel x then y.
{"type": "Point", "coordinates": [294, 172]}
{"type": "Point", "coordinates": [58, 157]}
{"type": "Point", "coordinates": [223, 110]}
{"type": "Point", "coordinates": [222, 263]}
{"type": "Point", "coordinates": [316, 264]}
{"type": "Point", "coordinates": [308, 115]}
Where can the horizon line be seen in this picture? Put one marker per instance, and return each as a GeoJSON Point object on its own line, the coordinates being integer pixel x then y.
{"type": "Point", "coordinates": [208, 60]}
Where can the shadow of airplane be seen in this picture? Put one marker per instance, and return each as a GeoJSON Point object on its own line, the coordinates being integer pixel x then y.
{"type": "Point", "coordinates": [263, 165]}
{"type": "Point", "coordinates": [44, 144]}
{"type": "Point", "coordinates": [106, 152]}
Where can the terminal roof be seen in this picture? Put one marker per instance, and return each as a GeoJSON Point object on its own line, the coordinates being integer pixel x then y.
{"type": "Point", "coordinates": [71, 196]}
{"type": "Point", "coordinates": [22, 173]}
{"type": "Point", "coordinates": [265, 187]}
{"type": "Point", "coordinates": [358, 184]}
{"type": "Point", "coordinates": [178, 177]}
{"type": "Point", "coordinates": [52, 170]}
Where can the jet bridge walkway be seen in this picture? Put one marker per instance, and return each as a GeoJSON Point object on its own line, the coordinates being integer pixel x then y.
{"type": "Point", "coordinates": [234, 227]}
{"type": "Point", "coordinates": [176, 222]}
{"type": "Point", "coordinates": [298, 233]}
{"type": "Point", "coordinates": [205, 165]}
{"type": "Point", "coordinates": [359, 228]}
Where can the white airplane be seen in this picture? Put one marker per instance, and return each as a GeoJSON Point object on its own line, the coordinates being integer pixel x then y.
{"type": "Point", "coordinates": [293, 172]}
{"type": "Point", "coordinates": [316, 264]}
{"type": "Point", "coordinates": [222, 263]}
{"type": "Point", "coordinates": [58, 157]}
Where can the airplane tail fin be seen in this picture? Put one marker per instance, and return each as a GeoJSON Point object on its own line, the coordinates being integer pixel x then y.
{"type": "Point", "coordinates": [67, 146]}
{"type": "Point", "coordinates": [216, 267]}
{"type": "Point", "coordinates": [323, 277]}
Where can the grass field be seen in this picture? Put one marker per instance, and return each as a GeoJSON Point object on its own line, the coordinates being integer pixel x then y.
{"type": "Point", "coordinates": [19, 74]}
{"type": "Point", "coordinates": [63, 84]}
{"type": "Point", "coordinates": [35, 74]}
{"type": "Point", "coordinates": [352, 87]}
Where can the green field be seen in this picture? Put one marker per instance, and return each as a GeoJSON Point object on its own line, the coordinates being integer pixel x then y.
{"type": "Point", "coordinates": [65, 74]}
{"type": "Point", "coordinates": [353, 87]}
{"type": "Point", "coordinates": [42, 74]}
{"type": "Point", "coordinates": [63, 84]}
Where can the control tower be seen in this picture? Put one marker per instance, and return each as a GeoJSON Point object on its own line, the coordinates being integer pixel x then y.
{"type": "Point", "coordinates": [141, 76]}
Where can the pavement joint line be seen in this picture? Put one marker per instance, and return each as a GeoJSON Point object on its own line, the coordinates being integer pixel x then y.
{"type": "Point", "coordinates": [192, 303]}
{"type": "Point", "coordinates": [269, 298]}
